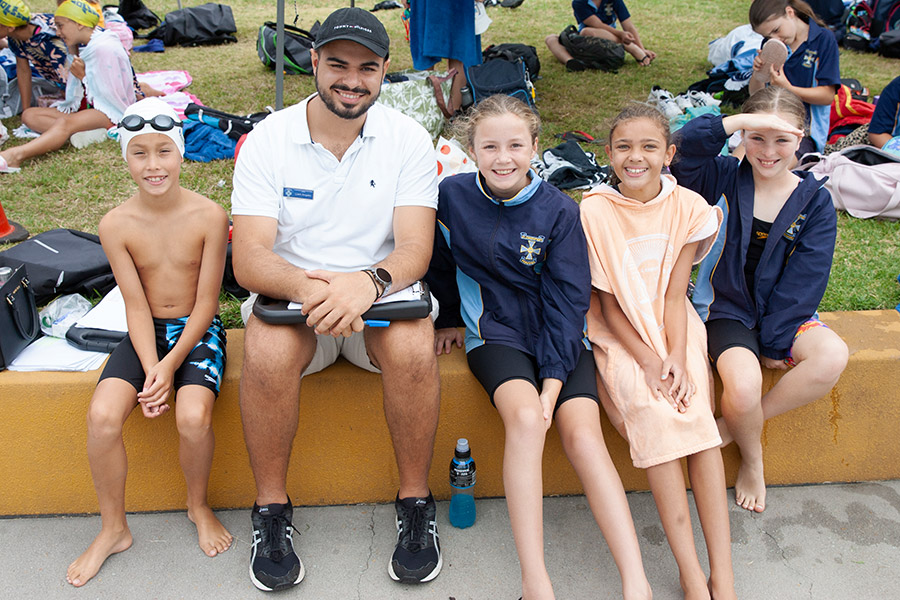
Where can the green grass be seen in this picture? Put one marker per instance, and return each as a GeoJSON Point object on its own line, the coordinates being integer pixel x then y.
{"type": "Point", "coordinates": [74, 188]}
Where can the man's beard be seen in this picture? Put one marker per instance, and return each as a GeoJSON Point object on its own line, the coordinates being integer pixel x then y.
{"type": "Point", "coordinates": [341, 110]}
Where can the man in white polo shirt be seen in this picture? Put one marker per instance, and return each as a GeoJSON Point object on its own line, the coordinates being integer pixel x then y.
{"type": "Point", "coordinates": [334, 206]}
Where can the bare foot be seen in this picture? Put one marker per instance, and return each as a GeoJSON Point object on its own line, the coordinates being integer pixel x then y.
{"type": "Point", "coordinates": [697, 592]}
{"type": "Point", "coordinates": [750, 487]}
{"type": "Point", "coordinates": [213, 537]}
{"type": "Point", "coordinates": [721, 592]}
{"type": "Point", "coordinates": [104, 545]}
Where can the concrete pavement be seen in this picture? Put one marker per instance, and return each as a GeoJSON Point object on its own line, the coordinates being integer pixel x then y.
{"type": "Point", "coordinates": [820, 541]}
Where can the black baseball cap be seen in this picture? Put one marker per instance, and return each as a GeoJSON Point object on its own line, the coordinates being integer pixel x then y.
{"type": "Point", "coordinates": [356, 25]}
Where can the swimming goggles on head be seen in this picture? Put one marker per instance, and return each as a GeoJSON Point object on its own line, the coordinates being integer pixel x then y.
{"type": "Point", "coordinates": [159, 123]}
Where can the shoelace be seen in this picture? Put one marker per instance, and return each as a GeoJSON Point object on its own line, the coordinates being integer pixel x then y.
{"type": "Point", "coordinates": [414, 535]}
{"type": "Point", "coordinates": [275, 530]}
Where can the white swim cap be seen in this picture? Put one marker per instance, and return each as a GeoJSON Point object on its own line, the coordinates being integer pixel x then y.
{"type": "Point", "coordinates": [153, 116]}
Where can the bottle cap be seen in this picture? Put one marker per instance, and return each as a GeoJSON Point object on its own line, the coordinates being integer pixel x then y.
{"type": "Point", "coordinates": [462, 445]}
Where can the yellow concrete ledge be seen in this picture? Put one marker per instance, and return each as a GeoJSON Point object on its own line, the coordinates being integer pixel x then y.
{"type": "Point", "coordinates": [343, 453]}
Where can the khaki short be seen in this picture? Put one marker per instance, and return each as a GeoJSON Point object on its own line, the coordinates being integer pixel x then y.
{"type": "Point", "coordinates": [329, 348]}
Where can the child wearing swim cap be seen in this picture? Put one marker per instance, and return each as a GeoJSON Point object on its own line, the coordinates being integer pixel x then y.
{"type": "Point", "coordinates": [103, 72]}
{"type": "Point", "coordinates": [166, 246]}
{"type": "Point", "coordinates": [32, 39]}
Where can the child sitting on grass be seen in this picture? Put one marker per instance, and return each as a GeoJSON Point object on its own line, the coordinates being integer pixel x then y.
{"type": "Point", "coordinates": [33, 41]}
{"type": "Point", "coordinates": [102, 64]}
{"type": "Point", "coordinates": [166, 246]}
{"type": "Point", "coordinates": [598, 18]}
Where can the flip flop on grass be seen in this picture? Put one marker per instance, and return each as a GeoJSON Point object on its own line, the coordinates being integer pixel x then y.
{"type": "Point", "coordinates": [5, 168]}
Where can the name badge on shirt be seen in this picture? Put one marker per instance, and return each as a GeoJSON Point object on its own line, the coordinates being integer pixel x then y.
{"type": "Point", "coordinates": [297, 193]}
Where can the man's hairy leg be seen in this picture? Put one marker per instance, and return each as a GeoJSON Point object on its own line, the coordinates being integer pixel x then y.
{"type": "Point", "coordinates": [274, 358]}
{"type": "Point", "coordinates": [405, 354]}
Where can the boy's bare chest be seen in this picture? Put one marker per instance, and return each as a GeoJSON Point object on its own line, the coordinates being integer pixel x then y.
{"type": "Point", "coordinates": [169, 248]}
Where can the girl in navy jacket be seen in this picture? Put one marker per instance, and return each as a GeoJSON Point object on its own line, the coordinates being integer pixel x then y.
{"type": "Point", "coordinates": [759, 288]}
{"type": "Point", "coordinates": [511, 258]}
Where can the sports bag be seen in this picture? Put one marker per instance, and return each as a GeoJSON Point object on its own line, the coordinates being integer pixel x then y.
{"type": "Point", "coordinates": [19, 323]}
{"type": "Point", "coordinates": [889, 44]}
{"type": "Point", "coordinates": [297, 43]}
{"type": "Point", "coordinates": [137, 15]}
{"type": "Point", "coordinates": [420, 95]}
{"type": "Point", "coordinates": [234, 126]}
{"type": "Point", "coordinates": [197, 25]}
{"type": "Point", "coordinates": [594, 52]}
{"type": "Point", "coordinates": [62, 261]}
{"type": "Point", "coordinates": [501, 77]}
{"type": "Point", "coordinates": [863, 180]}
{"type": "Point", "coordinates": [511, 52]}
{"type": "Point", "coordinates": [885, 16]}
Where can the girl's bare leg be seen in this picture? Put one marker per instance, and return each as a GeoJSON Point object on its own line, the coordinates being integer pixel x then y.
{"type": "Point", "coordinates": [56, 136]}
{"type": "Point", "coordinates": [708, 484]}
{"type": "Point", "coordinates": [520, 408]}
{"type": "Point", "coordinates": [667, 484]}
{"type": "Point", "coordinates": [578, 421]}
{"type": "Point", "coordinates": [742, 412]}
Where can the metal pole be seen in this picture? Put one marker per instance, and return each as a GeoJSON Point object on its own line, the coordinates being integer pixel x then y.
{"type": "Point", "coordinates": [279, 57]}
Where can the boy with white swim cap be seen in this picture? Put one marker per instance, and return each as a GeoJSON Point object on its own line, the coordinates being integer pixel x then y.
{"type": "Point", "coordinates": [166, 246]}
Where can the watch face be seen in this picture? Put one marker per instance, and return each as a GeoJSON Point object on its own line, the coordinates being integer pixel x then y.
{"type": "Point", "coordinates": [383, 274]}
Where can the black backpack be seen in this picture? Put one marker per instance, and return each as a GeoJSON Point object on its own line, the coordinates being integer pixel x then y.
{"type": "Point", "coordinates": [511, 52]}
{"type": "Point", "coordinates": [137, 15]}
{"type": "Point", "coordinates": [297, 43]}
{"type": "Point", "coordinates": [62, 261]}
{"type": "Point", "coordinates": [889, 44]}
{"type": "Point", "coordinates": [197, 25]}
{"type": "Point", "coordinates": [594, 52]}
{"type": "Point", "coordinates": [501, 77]}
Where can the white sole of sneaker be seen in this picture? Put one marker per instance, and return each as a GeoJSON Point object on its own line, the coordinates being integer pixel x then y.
{"type": "Point", "coordinates": [261, 586]}
{"type": "Point", "coordinates": [432, 575]}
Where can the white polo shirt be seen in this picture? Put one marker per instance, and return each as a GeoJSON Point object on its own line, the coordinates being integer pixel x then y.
{"type": "Point", "coordinates": [332, 214]}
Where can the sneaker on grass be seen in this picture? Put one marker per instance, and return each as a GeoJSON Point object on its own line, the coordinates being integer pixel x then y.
{"type": "Point", "coordinates": [417, 558]}
{"type": "Point", "coordinates": [273, 563]}
{"type": "Point", "coordinates": [665, 101]}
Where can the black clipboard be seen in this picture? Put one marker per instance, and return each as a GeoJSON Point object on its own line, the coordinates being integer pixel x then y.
{"type": "Point", "coordinates": [276, 312]}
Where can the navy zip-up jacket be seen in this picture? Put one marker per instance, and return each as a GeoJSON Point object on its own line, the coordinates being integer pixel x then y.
{"type": "Point", "coordinates": [796, 261]}
{"type": "Point", "coordinates": [517, 270]}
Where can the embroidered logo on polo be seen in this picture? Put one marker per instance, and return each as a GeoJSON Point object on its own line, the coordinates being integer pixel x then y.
{"type": "Point", "coordinates": [530, 252]}
{"type": "Point", "coordinates": [298, 193]}
{"type": "Point", "coordinates": [809, 58]}
{"type": "Point", "coordinates": [794, 228]}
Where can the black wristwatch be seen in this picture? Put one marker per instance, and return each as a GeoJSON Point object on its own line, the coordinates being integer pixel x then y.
{"type": "Point", "coordinates": [382, 278]}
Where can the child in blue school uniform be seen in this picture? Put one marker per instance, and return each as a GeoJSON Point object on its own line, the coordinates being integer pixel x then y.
{"type": "Point", "coordinates": [885, 123]}
{"type": "Point", "coordinates": [598, 18]}
{"type": "Point", "coordinates": [511, 258]}
{"type": "Point", "coordinates": [760, 286]}
{"type": "Point", "coordinates": [812, 69]}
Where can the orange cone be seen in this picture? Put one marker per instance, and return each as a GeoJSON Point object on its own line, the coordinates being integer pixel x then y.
{"type": "Point", "coordinates": [10, 231]}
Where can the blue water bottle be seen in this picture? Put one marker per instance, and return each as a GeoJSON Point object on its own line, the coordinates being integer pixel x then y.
{"type": "Point", "coordinates": [462, 482]}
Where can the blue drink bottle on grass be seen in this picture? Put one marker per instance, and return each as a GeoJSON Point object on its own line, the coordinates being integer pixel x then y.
{"type": "Point", "coordinates": [462, 482]}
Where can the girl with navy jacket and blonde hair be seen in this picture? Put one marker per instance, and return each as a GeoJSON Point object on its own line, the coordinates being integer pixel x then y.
{"type": "Point", "coordinates": [511, 259]}
{"type": "Point", "coordinates": [759, 288]}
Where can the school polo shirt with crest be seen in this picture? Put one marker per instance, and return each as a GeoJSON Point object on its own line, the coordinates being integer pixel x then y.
{"type": "Point", "coordinates": [886, 118]}
{"type": "Point", "coordinates": [813, 64]}
{"type": "Point", "coordinates": [606, 10]}
{"type": "Point", "coordinates": [334, 214]}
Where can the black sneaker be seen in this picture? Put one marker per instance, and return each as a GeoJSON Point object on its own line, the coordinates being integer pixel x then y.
{"type": "Point", "coordinates": [417, 558]}
{"type": "Point", "coordinates": [273, 563]}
